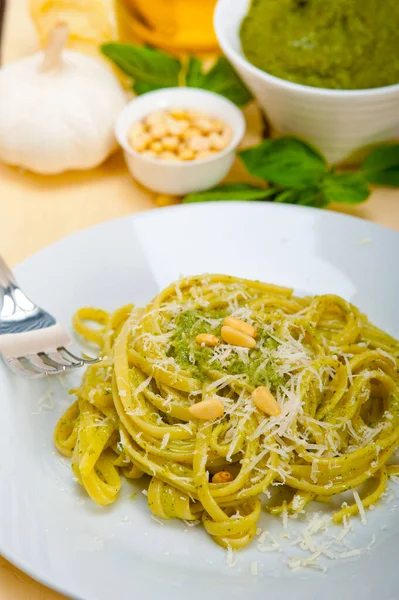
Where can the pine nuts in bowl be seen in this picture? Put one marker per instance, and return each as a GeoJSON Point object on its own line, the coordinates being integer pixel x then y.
{"type": "Point", "coordinates": [179, 140]}
{"type": "Point", "coordinates": [179, 134]}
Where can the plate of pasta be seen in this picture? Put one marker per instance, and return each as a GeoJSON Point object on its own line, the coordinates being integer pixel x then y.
{"type": "Point", "coordinates": [238, 437]}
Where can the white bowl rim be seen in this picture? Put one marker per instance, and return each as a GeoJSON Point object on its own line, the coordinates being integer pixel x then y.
{"type": "Point", "coordinates": [238, 130]}
{"type": "Point", "coordinates": [220, 9]}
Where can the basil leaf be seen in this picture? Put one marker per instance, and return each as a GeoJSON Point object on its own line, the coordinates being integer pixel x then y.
{"type": "Point", "coordinates": [221, 79]}
{"type": "Point", "coordinates": [151, 69]}
{"type": "Point", "coordinates": [194, 75]}
{"type": "Point", "coordinates": [231, 191]}
{"type": "Point", "coordinates": [382, 166]}
{"type": "Point", "coordinates": [388, 177]}
{"type": "Point", "coordinates": [312, 196]}
{"type": "Point", "coordinates": [287, 162]}
{"type": "Point", "coordinates": [348, 188]}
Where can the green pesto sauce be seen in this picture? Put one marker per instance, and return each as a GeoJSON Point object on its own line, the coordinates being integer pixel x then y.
{"type": "Point", "coordinates": [341, 44]}
{"type": "Point", "coordinates": [195, 358]}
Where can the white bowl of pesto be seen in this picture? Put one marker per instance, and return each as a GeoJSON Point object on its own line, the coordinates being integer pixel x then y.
{"type": "Point", "coordinates": [340, 122]}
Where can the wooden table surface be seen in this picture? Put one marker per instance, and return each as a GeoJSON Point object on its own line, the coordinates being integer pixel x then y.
{"type": "Point", "coordinates": [36, 211]}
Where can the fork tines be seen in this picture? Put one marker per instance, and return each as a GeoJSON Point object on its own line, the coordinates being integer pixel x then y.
{"type": "Point", "coordinates": [42, 364]}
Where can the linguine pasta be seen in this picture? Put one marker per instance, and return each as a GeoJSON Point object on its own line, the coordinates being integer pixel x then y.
{"type": "Point", "coordinates": [333, 374]}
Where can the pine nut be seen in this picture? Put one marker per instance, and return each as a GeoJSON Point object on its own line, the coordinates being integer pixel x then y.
{"type": "Point", "coordinates": [157, 147]}
{"type": "Point", "coordinates": [217, 142]}
{"type": "Point", "coordinates": [155, 118]}
{"type": "Point", "coordinates": [222, 477]}
{"type": "Point", "coordinates": [204, 125]}
{"type": "Point", "coordinates": [240, 326]}
{"type": "Point", "coordinates": [218, 125]}
{"type": "Point", "coordinates": [199, 143]}
{"type": "Point", "coordinates": [194, 114]}
{"type": "Point", "coordinates": [178, 113]}
{"type": "Point", "coordinates": [158, 131]}
{"type": "Point", "coordinates": [265, 401]}
{"type": "Point", "coordinates": [208, 339]}
{"type": "Point", "coordinates": [237, 338]}
{"type": "Point", "coordinates": [140, 142]}
{"type": "Point", "coordinates": [170, 142]}
{"type": "Point", "coordinates": [136, 130]}
{"type": "Point", "coordinates": [175, 127]}
{"type": "Point", "coordinates": [207, 410]}
{"type": "Point", "coordinates": [189, 133]}
{"type": "Point", "coordinates": [186, 154]}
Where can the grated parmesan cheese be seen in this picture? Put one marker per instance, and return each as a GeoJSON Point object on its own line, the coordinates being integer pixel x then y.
{"type": "Point", "coordinates": [45, 402]}
{"type": "Point", "coordinates": [314, 470]}
{"type": "Point", "coordinates": [284, 516]}
{"type": "Point", "coordinates": [296, 563]}
{"type": "Point", "coordinates": [231, 558]}
{"type": "Point", "coordinates": [165, 441]}
{"type": "Point", "coordinates": [262, 537]}
{"type": "Point", "coordinates": [254, 568]}
{"type": "Point", "coordinates": [360, 506]}
{"type": "Point", "coordinates": [191, 523]}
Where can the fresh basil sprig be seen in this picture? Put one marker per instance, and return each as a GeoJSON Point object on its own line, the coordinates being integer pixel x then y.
{"type": "Point", "coordinates": [152, 69]}
{"type": "Point", "coordinates": [297, 173]}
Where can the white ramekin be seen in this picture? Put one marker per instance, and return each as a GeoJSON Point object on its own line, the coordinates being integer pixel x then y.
{"type": "Point", "coordinates": [180, 178]}
{"type": "Point", "coordinates": [338, 122]}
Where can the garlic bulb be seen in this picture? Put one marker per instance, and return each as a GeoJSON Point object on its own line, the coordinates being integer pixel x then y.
{"type": "Point", "coordinates": [57, 109]}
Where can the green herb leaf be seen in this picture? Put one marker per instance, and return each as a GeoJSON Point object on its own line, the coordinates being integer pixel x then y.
{"type": "Point", "coordinates": [389, 177]}
{"type": "Point", "coordinates": [231, 191]}
{"type": "Point", "coordinates": [312, 196]}
{"type": "Point", "coordinates": [221, 79]}
{"type": "Point", "coordinates": [287, 162]}
{"type": "Point", "coordinates": [382, 166]}
{"type": "Point", "coordinates": [151, 69]}
{"type": "Point", "coordinates": [348, 188]}
{"type": "Point", "coordinates": [194, 75]}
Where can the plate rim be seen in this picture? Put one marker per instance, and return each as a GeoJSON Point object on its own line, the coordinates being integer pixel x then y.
{"type": "Point", "coordinates": [148, 213]}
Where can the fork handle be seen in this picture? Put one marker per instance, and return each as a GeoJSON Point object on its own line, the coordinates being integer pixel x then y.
{"type": "Point", "coordinates": [6, 276]}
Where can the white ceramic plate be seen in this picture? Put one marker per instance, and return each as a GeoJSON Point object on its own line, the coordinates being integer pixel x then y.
{"type": "Point", "coordinates": [51, 530]}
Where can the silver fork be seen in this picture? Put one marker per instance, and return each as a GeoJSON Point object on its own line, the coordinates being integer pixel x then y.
{"type": "Point", "coordinates": [31, 341]}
